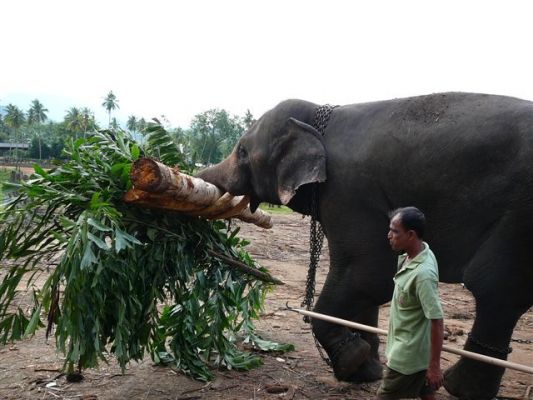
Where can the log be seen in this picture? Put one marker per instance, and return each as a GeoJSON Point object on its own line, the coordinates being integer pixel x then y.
{"type": "Point", "coordinates": [156, 185]}
{"type": "Point", "coordinates": [373, 329]}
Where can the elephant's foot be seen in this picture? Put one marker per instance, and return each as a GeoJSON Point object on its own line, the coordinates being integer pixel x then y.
{"type": "Point", "coordinates": [472, 380]}
{"type": "Point", "coordinates": [370, 371]}
{"type": "Point", "coordinates": [351, 361]}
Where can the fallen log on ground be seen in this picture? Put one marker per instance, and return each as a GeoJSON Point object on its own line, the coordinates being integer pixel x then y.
{"type": "Point", "coordinates": [156, 185]}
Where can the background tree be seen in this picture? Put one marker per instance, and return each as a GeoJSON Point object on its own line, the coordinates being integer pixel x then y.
{"type": "Point", "coordinates": [248, 120]}
{"type": "Point", "coordinates": [36, 116]}
{"type": "Point", "coordinates": [213, 135]}
{"type": "Point", "coordinates": [73, 121]}
{"type": "Point", "coordinates": [3, 128]}
{"type": "Point", "coordinates": [87, 121]}
{"type": "Point", "coordinates": [14, 119]}
{"type": "Point", "coordinates": [131, 124]}
{"type": "Point", "coordinates": [114, 124]}
{"type": "Point", "coordinates": [110, 103]}
{"type": "Point", "coordinates": [141, 125]}
{"type": "Point", "coordinates": [37, 113]}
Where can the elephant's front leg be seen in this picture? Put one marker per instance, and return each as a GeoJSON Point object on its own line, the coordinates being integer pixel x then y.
{"type": "Point", "coordinates": [353, 355]}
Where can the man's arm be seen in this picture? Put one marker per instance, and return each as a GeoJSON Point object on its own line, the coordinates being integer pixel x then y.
{"type": "Point", "coordinates": [434, 375]}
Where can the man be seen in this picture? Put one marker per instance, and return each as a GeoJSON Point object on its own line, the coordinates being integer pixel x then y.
{"type": "Point", "coordinates": [415, 327]}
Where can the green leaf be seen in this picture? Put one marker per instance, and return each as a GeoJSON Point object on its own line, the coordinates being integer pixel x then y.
{"type": "Point", "coordinates": [39, 170]}
{"type": "Point", "coordinates": [266, 345]}
{"type": "Point", "coordinates": [97, 241]}
{"type": "Point", "coordinates": [94, 223]}
{"type": "Point", "coordinates": [88, 257]}
{"type": "Point", "coordinates": [34, 323]}
{"type": "Point", "coordinates": [135, 152]}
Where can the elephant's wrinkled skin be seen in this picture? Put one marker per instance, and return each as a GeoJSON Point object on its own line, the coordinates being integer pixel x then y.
{"type": "Point", "coordinates": [466, 160]}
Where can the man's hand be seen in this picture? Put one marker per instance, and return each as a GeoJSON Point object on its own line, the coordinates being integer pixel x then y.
{"type": "Point", "coordinates": [434, 377]}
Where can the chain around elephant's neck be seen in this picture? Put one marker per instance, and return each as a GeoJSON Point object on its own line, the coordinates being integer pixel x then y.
{"type": "Point", "coordinates": [316, 234]}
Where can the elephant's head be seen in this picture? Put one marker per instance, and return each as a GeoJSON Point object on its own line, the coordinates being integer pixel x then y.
{"type": "Point", "coordinates": [278, 154]}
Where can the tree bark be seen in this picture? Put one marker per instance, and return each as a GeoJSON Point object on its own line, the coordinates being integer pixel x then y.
{"type": "Point", "coordinates": [159, 186]}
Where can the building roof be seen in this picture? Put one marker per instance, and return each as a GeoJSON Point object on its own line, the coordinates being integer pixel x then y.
{"type": "Point", "coordinates": [4, 146]}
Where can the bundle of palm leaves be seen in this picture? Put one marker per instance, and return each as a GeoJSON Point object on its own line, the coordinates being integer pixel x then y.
{"type": "Point", "coordinates": [111, 278]}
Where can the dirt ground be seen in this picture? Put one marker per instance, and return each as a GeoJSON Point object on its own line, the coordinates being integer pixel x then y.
{"type": "Point", "coordinates": [31, 369]}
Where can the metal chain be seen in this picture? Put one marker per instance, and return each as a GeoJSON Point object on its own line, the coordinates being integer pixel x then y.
{"type": "Point", "coordinates": [316, 239]}
{"type": "Point", "coordinates": [523, 341]}
{"type": "Point", "coordinates": [501, 351]}
{"type": "Point", "coordinates": [316, 234]}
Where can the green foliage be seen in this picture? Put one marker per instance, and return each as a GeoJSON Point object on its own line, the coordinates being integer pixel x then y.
{"type": "Point", "coordinates": [213, 135]}
{"type": "Point", "coordinates": [110, 103]}
{"type": "Point", "coordinates": [123, 280]}
{"type": "Point", "coordinates": [37, 113]}
{"type": "Point", "coordinates": [275, 209]}
{"type": "Point", "coordinates": [4, 176]}
{"type": "Point", "coordinates": [14, 117]}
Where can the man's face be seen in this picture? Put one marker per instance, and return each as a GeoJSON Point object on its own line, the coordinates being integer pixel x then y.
{"type": "Point", "coordinates": [398, 237]}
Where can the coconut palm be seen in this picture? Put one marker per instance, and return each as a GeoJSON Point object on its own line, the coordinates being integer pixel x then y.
{"type": "Point", "coordinates": [110, 103]}
{"type": "Point", "coordinates": [141, 125]}
{"type": "Point", "coordinates": [73, 120]}
{"type": "Point", "coordinates": [36, 116]}
{"type": "Point", "coordinates": [87, 121]}
{"type": "Point", "coordinates": [37, 113]}
{"type": "Point", "coordinates": [131, 124]}
{"type": "Point", "coordinates": [114, 124]}
{"type": "Point", "coordinates": [14, 119]}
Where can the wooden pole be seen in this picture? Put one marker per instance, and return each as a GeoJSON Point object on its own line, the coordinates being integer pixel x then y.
{"type": "Point", "coordinates": [372, 329]}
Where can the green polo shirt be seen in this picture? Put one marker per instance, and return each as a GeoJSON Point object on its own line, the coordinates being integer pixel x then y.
{"type": "Point", "coordinates": [415, 303]}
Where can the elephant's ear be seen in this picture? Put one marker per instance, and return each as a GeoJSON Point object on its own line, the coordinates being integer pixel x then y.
{"type": "Point", "coordinates": [301, 158]}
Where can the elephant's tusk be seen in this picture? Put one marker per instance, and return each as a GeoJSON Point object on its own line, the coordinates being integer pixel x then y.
{"type": "Point", "coordinates": [372, 329]}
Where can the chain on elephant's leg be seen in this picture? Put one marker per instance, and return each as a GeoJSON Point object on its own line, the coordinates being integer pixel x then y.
{"type": "Point", "coordinates": [372, 369]}
{"type": "Point", "coordinates": [491, 334]}
{"type": "Point", "coordinates": [470, 379]}
{"type": "Point", "coordinates": [348, 356]}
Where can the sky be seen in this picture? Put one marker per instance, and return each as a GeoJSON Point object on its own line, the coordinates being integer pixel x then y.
{"type": "Point", "coordinates": [181, 58]}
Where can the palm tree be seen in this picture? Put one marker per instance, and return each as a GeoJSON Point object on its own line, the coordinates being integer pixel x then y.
{"type": "Point", "coordinates": [36, 116]}
{"type": "Point", "coordinates": [14, 119]}
{"type": "Point", "coordinates": [131, 124]}
{"type": "Point", "coordinates": [110, 103]}
{"type": "Point", "coordinates": [37, 113]}
{"type": "Point", "coordinates": [141, 125]}
{"type": "Point", "coordinates": [114, 124]}
{"type": "Point", "coordinates": [87, 121]}
{"type": "Point", "coordinates": [73, 120]}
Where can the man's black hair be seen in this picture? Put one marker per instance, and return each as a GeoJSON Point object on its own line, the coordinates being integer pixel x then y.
{"type": "Point", "coordinates": [412, 219]}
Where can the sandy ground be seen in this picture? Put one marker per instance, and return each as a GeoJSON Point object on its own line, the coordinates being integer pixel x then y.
{"type": "Point", "coordinates": [31, 369]}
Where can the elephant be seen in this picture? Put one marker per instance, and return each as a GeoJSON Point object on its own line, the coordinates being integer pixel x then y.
{"type": "Point", "coordinates": [464, 159]}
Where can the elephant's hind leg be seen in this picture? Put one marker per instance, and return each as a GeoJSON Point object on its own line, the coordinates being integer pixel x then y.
{"type": "Point", "coordinates": [501, 283]}
{"type": "Point", "coordinates": [470, 379]}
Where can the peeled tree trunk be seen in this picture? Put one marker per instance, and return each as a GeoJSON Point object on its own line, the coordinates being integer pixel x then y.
{"type": "Point", "coordinates": [156, 185]}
